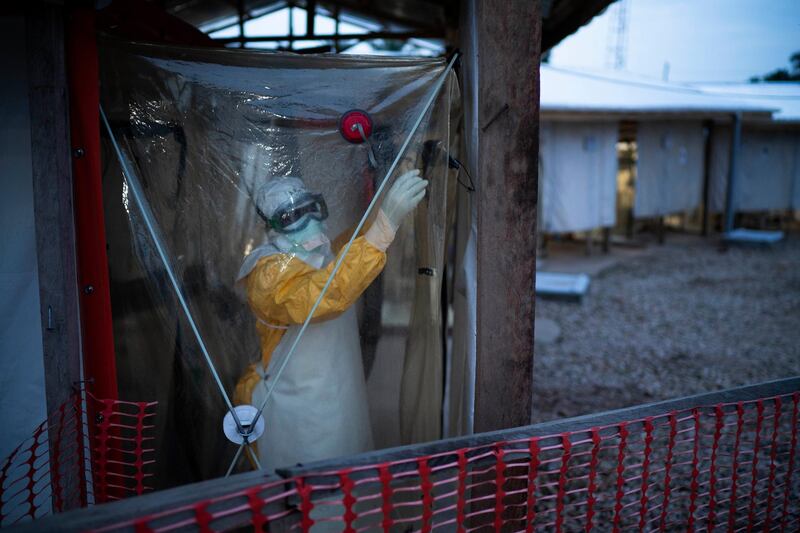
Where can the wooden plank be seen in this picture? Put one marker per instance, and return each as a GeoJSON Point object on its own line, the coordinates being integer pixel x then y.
{"type": "Point", "coordinates": [507, 36]}
{"type": "Point", "coordinates": [52, 189]}
{"type": "Point", "coordinates": [733, 169]}
{"type": "Point", "coordinates": [707, 154]}
{"type": "Point", "coordinates": [99, 516]}
{"type": "Point", "coordinates": [394, 35]}
{"type": "Point", "coordinates": [556, 428]}
{"type": "Point", "coordinates": [566, 17]}
{"type": "Point", "coordinates": [171, 499]}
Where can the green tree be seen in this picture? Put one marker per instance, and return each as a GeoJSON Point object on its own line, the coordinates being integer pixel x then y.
{"type": "Point", "coordinates": [782, 74]}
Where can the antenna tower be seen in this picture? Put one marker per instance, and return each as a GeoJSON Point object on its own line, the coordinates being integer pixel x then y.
{"type": "Point", "coordinates": [617, 44]}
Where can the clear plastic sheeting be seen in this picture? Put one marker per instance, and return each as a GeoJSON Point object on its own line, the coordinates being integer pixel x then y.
{"type": "Point", "coordinates": [205, 132]}
{"type": "Point", "coordinates": [769, 170]}
{"type": "Point", "coordinates": [579, 175]}
{"type": "Point", "coordinates": [669, 174]}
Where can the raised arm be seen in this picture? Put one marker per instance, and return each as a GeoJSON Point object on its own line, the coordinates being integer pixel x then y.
{"type": "Point", "coordinates": [282, 289]}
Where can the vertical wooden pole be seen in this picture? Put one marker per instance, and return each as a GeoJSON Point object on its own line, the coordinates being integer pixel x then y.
{"type": "Point", "coordinates": [508, 37]}
{"type": "Point", "coordinates": [311, 15]}
{"type": "Point", "coordinates": [53, 211]}
{"type": "Point", "coordinates": [730, 195]}
{"type": "Point", "coordinates": [240, 11]}
{"type": "Point", "coordinates": [336, 16]}
{"type": "Point", "coordinates": [291, 25]}
{"type": "Point", "coordinates": [707, 154]}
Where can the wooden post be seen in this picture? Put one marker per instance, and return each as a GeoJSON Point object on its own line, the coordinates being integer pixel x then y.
{"type": "Point", "coordinates": [291, 25]}
{"type": "Point", "coordinates": [336, 16]}
{"type": "Point", "coordinates": [311, 15]}
{"type": "Point", "coordinates": [240, 11]}
{"type": "Point", "coordinates": [707, 154]}
{"type": "Point", "coordinates": [506, 37]}
{"type": "Point", "coordinates": [730, 194]}
{"type": "Point", "coordinates": [53, 211]}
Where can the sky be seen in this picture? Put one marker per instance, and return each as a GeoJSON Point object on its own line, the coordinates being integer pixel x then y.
{"type": "Point", "coordinates": [277, 23]}
{"type": "Point", "coordinates": [702, 40]}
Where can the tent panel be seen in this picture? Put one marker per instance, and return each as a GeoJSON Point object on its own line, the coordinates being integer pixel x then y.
{"type": "Point", "coordinates": [796, 175]}
{"type": "Point", "coordinates": [769, 178]}
{"type": "Point", "coordinates": [669, 169]}
{"type": "Point", "coordinates": [579, 175]}
{"type": "Point", "coordinates": [766, 175]}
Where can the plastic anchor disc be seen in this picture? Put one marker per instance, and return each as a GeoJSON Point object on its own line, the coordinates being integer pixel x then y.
{"type": "Point", "coordinates": [246, 413]}
{"type": "Point", "coordinates": [348, 125]}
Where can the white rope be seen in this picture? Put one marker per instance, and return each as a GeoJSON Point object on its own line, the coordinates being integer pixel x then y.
{"type": "Point", "coordinates": [235, 459]}
{"type": "Point", "coordinates": [357, 230]}
{"type": "Point", "coordinates": [253, 455]}
{"type": "Point", "coordinates": [271, 326]}
{"type": "Point", "coordinates": [141, 202]}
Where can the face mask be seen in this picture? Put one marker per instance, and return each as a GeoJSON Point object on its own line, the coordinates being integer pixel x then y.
{"type": "Point", "coordinates": [311, 237]}
{"type": "Point", "coordinates": [315, 242]}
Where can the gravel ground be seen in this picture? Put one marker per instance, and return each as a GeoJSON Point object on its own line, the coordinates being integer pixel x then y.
{"type": "Point", "coordinates": [683, 318]}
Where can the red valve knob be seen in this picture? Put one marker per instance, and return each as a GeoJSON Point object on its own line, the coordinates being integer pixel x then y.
{"type": "Point", "coordinates": [349, 126]}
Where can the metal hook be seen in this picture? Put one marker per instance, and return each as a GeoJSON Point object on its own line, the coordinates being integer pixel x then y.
{"type": "Point", "coordinates": [370, 153]}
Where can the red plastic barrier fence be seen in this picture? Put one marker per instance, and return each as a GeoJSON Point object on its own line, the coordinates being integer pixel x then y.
{"type": "Point", "coordinates": [728, 466]}
{"type": "Point", "coordinates": [49, 472]}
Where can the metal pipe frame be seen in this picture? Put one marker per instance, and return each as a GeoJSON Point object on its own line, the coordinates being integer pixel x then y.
{"type": "Point", "coordinates": [426, 34]}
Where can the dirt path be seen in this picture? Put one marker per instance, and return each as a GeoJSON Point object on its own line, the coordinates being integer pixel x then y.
{"type": "Point", "coordinates": [681, 320]}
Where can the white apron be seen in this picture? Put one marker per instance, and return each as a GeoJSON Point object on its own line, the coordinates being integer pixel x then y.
{"type": "Point", "coordinates": [318, 409]}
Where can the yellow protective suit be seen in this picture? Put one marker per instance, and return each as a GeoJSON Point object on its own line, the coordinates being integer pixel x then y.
{"type": "Point", "coordinates": [319, 406]}
{"type": "Point", "coordinates": [282, 288]}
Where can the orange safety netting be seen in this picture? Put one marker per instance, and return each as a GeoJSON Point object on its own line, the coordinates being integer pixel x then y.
{"type": "Point", "coordinates": [729, 466]}
{"type": "Point", "coordinates": [87, 451]}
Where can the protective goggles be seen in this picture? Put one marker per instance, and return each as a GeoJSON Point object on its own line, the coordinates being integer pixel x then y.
{"type": "Point", "coordinates": [297, 213]}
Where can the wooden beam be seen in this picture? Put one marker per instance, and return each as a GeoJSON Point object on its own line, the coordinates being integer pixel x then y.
{"type": "Point", "coordinates": [507, 37]}
{"type": "Point", "coordinates": [551, 433]}
{"type": "Point", "coordinates": [126, 509]}
{"type": "Point", "coordinates": [53, 211]}
{"type": "Point", "coordinates": [707, 155]}
{"type": "Point", "coordinates": [730, 193]}
{"type": "Point", "coordinates": [240, 15]}
{"type": "Point", "coordinates": [552, 429]}
{"type": "Point", "coordinates": [420, 34]}
{"type": "Point", "coordinates": [565, 17]}
{"type": "Point", "coordinates": [311, 16]}
{"type": "Point", "coordinates": [429, 15]}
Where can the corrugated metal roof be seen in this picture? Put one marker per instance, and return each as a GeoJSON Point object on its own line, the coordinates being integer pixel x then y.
{"type": "Point", "coordinates": [560, 17]}
{"type": "Point", "coordinates": [782, 96]}
{"type": "Point", "coordinates": [580, 91]}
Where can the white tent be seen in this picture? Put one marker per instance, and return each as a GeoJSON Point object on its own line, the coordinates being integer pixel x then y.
{"type": "Point", "coordinates": [669, 175]}
{"type": "Point", "coordinates": [578, 163]}
{"type": "Point", "coordinates": [768, 176]}
{"type": "Point", "coordinates": [782, 97]}
{"type": "Point", "coordinates": [580, 112]}
{"type": "Point", "coordinates": [621, 94]}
